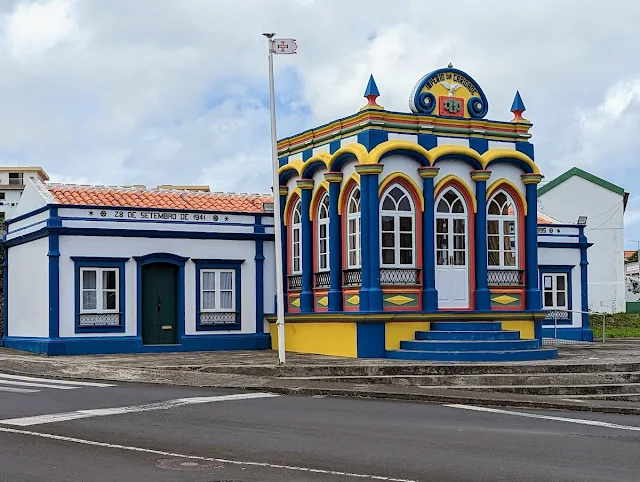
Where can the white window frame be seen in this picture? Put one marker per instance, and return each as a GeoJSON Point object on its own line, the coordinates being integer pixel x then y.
{"type": "Point", "coordinates": [356, 217]}
{"type": "Point", "coordinates": [99, 290]}
{"type": "Point", "coordinates": [396, 215]}
{"type": "Point", "coordinates": [217, 291]}
{"type": "Point", "coordinates": [323, 220]}
{"type": "Point", "coordinates": [501, 218]}
{"type": "Point", "coordinates": [554, 290]}
{"type": "Point", "coordinates": [296, 227]}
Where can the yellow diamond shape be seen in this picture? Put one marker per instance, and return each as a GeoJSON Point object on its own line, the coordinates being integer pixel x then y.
{"type": "Point", "coordinates": [354, 300]}
{"type": "Point", "coordinates": [296, 303]}
{"type": "Point", "coordinates": [504, 299]}
{"type": "Point", "coordinates": [399, 300]}
{"type": "Point", "coordinates": [324, 301]}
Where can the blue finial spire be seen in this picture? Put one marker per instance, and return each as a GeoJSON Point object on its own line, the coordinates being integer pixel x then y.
{"type": "Point", "coordinates": [517, 108]}
{"type": "Point", "coordinates": [371, 94]}
{"type": "Point", "coordinates": [372, 88]}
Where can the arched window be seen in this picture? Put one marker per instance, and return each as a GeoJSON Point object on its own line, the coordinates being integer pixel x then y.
{"type": "Point", "coordinates": [296, 238]}
{"type": "Point", "coordinates": [397, 229]}
{"type": "Point", "coordinates": [353, 230]}
{"type": "Point", "coordinates": [323, 233]}
{"type": "Point", "coordinates": [502, 242]}
{"type": "Point", "coordinates": [451, 230]}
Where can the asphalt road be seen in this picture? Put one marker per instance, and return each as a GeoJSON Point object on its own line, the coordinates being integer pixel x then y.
{"type": "Point", "coordinates": [222, 438]}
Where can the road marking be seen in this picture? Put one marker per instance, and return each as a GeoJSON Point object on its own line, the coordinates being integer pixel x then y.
{"type": "Point", "coordinates": [17, 390]}
{"type": "Point", "coordinates": [38, 385]}
{"type": "Point", "coordinates": [54, 381]}
{"type": "Point", "coordinates": [579, 421]}
{"type": "Point", "coordinates": [103, 412]}
{"type": "Point", "coordinates": [204, 459]}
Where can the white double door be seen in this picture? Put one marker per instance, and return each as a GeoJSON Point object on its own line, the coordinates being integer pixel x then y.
{"type": "Point", "coordinates": [452, 251]}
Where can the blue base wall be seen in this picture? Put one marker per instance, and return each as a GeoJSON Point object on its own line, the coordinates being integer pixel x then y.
{"type": "Point", "coordinates": [133, 344]}
{"type": "Point", "coordinates": [578, 334]}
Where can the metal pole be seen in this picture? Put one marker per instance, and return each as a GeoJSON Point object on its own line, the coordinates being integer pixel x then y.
{"type": "Point", "coordinates": [604, 318]}
{"type": "Point", "coordinates": [555, 328]}
{"type": "Point", "coordinates": [276, 207]}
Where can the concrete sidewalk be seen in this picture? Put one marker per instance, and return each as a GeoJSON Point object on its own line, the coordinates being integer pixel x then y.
{"type": "Point", "coordinates": [597, 377]}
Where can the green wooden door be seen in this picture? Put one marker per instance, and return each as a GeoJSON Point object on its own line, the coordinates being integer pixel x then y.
{"type": "Point", "coordinates": [159, 304]}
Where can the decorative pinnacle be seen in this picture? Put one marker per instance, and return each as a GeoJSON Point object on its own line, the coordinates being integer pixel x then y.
{"type": "Point", "coordinates": [371, 93]}
{"type": "Point", "coordinates": [450, 65]}
{"type": "Point", "coordinates": [518, 108]}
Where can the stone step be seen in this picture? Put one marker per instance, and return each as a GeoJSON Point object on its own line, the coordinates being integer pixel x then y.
{"type": "Point", "coordinates": [622, 397]}
{"type": "Point", "coordinates": [568, 390]}
{"type": "Point", "coordinates": [469, 345]}
{"type": "Point", "coordinates": [460, 381]}
{"type": "Point", "coordinates": [474, 356]}
{"type": "Point", "coordinates": [468, 335]}
{"type": "Point", "coordinates": [465, 326]}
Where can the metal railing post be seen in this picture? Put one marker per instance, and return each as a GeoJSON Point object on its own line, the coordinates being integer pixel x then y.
{"type": "Point", "coordinates": [555, 327]}
{"type": "Point", "coordinates": [604, 319]}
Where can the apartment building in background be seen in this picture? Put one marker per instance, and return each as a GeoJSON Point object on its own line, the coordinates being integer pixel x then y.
{"type": "Point", "coordinates": [12, 182]}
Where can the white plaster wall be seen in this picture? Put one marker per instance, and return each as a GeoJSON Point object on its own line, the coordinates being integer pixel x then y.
{"type": "Point", "coordinates": [28, 289]}
{"type": "Point", "coordinates": [457, 168]}
{"type": "Point", "coordinates": [31, 199]}
{"type": "Point", "coordinates": [27, 225]}
{"type": "Point", "coordinates": [509, 172]}
{"type": "Point", "coordinates": [129, 247]}
{"type": "Point", "coordinates": [452, 141]}
{"type": "Point", "coordinates": [348, 140]}
{"type": "Point", "coordinates": [605, 229]}
{"type": "Point", "coordinates": [347, 170]}
{"type": "Point", "coordinates": [404, 164]}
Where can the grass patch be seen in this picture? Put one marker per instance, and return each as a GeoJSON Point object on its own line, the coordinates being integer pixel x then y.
{"type": "Point", "coordinates": [618, 325]}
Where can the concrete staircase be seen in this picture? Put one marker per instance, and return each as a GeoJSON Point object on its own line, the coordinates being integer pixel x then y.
{"type": "Point", "coordinates": [470, 342]}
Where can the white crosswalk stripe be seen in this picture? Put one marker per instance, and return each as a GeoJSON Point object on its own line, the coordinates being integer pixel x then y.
{"type": "Point", "coordinates": [14, 384]}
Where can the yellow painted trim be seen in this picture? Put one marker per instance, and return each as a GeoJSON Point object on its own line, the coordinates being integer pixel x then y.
{"type": "Point", "coordinates": [337, 339]}
{"type": "Point", "coordinates": [440, 151]}
{"type": "Point", "coordinates": [323, 157]}
{"type": "Point", "coordinates": [358, 150]}
{"type": "Point", "coordinates": [399, 331]}
{"type": "Point", "coordinates": [396, 145]}
{"type": "Point", "coordinates": [453, 177]}
{"type": "Point", "coordinates": [495, 186]}
{"type": "Point", "coordinates": [525, 327]}
{"type": "Point", "coordinates": [494, 154]}
{"type": "Point", "coordinates": [296, 191]}
{"type": "Point", "coordinates": [356, 177]}
{"type": "Point", "coordinates": [292, 166]}
{"type": "Point", "coordinates": [319, 188]}
{"type": "Point", "coordinates": [401, 175]}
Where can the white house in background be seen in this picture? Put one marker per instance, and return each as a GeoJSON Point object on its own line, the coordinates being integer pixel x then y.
{"type": "Point", "coordinates": [577, 194]}
{"type": "Point", "coordinates": [12, 182]}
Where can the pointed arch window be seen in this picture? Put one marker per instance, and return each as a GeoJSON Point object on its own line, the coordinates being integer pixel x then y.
{"type": "Point", "coordinates": [502, 231]}
{"type": "Point", "coordinates": [296, 238]}
{"type": "Point", "coordinates": [323, 233]}
{"type": "Point", "coordinates": [397, 229]}
{"type": "Point", "coordinates": [354, 256]}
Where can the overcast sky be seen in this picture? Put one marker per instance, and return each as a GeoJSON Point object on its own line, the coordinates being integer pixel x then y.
{"type": "Point", "coordinates": [175, 91]}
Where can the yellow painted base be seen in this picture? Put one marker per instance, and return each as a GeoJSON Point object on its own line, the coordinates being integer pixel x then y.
{"type": "Point", "coordinates": [338, 339]}
{"type": "Point", "coordinates": [399, 331]}
{"type": "Point", "coordinates": [525, 327]}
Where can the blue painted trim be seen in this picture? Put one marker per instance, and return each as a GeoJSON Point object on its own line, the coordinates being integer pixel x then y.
{"type": "Point", "coordinates": [559, 226]}
{"type": "Point", "coordinates": [549, 244]}
{"type": "Point", "coordinates": [5, 292]}
{"type": "Point", "coordinates": [335, 249]}
{"type": "Point", "coordinates": [283, 161]}
{"type": "Point", "coordinates": [334, 146]}
{"type": "Point", "coordinates": [565, 333]}
{"type": "Point", "coordinates": [525, 148]}
{"type": "Point", "coordinates": [375, 293]}
{"type": "Point", "coordinates": [43, 221]}
{"type": "Point", "coordinates": [285, 254]}
{"type": "Point", "coordinates": [157, 221]}
{"type": "Point", "coordinates": [428, 141]}
{"type": "Point", "coordinates": [133, 344]}
{"type": "Point", "coordinates": [311, 169]}
{"type": "Point", "coordinates": [306, 295]}
{"type": "Point", "coordinates": [259, 260]}
{"type": "Point", "coordinates": [26, 215]}
{"type": "Point", "coordinates": [554, 235]}
{"type": "Point", "coordinates": [372, 88]}
{"type": "Point", "coordinates": [27, 238]}
{"type": "Point", "coordinates": [533, 298]}
{"type": "Point", "coordinates": [169, 258]}
{"type": "Point", "coordinates": [370, 138]}
{"type": "Point", "coordinates": [429, 292]}
{"type": "Point", "coordinates": [416, 156]}
{"type": "Point", "coordinates": [479, 145]}
{"type": "Point", "coordinates": [365, 241]}
{"type": "Point", "coordinates": [54, 276]}
{"type": "Point", "coordinates": [474, 163]}
{"type": "Point", "coordinates": [171, 210]}
{"type": "Point", "coordinates": [510, 160]}
{"type": "Point", "coordinates": [587, 333]}
{"type": "Point", "coordinates": [307, 154]}
{"type": "Point", "coordinates": [370, 340]}
{"type": "Point", "coordinates": [258, 227]}
{"type": "Point", "coordinates": [98, 262]}
{"type": "Point", "coordinates": [482, 294]}
{"type": "Point", "coordinates": [236, 265]}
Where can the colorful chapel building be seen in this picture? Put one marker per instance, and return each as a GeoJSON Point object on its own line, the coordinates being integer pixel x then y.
{"type": "Point", "coordinates": [405, 235]}
{"type": "Point", "coordinates": [417, 235]}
